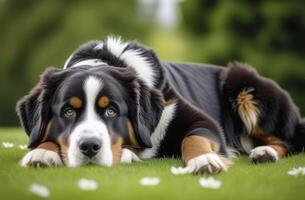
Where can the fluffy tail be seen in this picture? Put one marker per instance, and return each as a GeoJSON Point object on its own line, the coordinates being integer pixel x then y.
{"type": "Point", "coordinates": [299, 139]}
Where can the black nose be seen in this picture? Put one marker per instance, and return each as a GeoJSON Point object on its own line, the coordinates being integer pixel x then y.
{"type": "Point", "coordinates": [90, 146]}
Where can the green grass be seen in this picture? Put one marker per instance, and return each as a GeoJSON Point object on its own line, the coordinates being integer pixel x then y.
{"type": "Point", "coordinates": [242, 181]}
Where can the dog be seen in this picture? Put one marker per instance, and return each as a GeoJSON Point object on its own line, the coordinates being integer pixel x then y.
{"type": "Point", "coordinates": [115, 102]}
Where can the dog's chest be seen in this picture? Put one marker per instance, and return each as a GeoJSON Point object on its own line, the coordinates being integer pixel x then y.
{"type": "Point", "coordinates": [160, 132]}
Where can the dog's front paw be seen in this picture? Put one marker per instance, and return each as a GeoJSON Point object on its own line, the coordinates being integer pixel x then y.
{"type": "Point", "coordinates": [208, 163]}
{"type": "Point", "coordinates": [128, 156]}
{"type": "Point", "coordinates": [263, 154]}
{"type": "Point", "coordinates": [41, 158]}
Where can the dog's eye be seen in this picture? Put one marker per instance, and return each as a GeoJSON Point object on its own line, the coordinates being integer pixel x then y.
{"type": "Point", "coordinates": [110, 112]}
{"type": "Point", "coordinates": [70, 113]}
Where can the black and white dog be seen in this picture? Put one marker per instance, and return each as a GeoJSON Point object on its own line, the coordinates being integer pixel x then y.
{"type": "Point", "coordinates": [115, 102]}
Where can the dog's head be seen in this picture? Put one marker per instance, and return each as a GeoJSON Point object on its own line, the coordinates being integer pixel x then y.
{"type": "Point", "coordinates": [91, 112]}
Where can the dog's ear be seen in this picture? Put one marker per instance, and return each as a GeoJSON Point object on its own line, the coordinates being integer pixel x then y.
{"type": "Point", "coordinates": [34, 110]}
{"type": "Point", "coordinates": [145, 104]}
{"type": "Point", "coordinates": [145, 109]}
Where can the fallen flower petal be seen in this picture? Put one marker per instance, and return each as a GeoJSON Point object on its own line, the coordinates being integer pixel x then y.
{"type": "Point", "coordinates": [209, 183]}
{"type": "Point", "coordinates": [23, 146]}
{"type": "Point", "coordinates": [180, 170]}
{"type": "Point", "coordinates": [86, 184]}
{"type": "Point", "coordinates": [39, 190]}
{"type": "Point", "coordinates": [150, 181]}
{"type": "Point", "coordinates": [7, 145]}
{"type": "Point", "coordinates": [300, 171]}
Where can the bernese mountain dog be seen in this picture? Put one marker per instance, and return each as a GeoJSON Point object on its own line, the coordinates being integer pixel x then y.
{"type": "Point", "coordinates": [115, 102]}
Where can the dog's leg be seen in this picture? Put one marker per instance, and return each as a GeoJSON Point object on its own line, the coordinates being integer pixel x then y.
{"type": "Point", "coordinates": [200, 155]}
{"type": "Point", "coordinates": [129, 156]}
{"type": "Point", "coordinates": [272, 150]}
{"type": "Point", "coordinates": [123, 155]}
{"type": "Point", "coordinates": [45, 155]}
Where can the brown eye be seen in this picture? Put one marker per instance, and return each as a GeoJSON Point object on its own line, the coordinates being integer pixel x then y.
{"type": "Point", "coordinates": [70, 113]}
{"type": "Point", "coordinates": [110, 112]}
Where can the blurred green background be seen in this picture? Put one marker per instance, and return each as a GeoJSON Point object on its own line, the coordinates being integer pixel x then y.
{"type": "Point", "coordinates": [268, 35]}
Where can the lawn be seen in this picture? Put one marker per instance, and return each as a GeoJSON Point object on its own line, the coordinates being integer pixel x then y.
{"type": "Point", "coordinates": [243, 181]}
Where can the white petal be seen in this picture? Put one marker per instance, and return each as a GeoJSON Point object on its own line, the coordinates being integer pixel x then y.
{"type": "Point", "coordinates": [180, 170]}
{"type": "Point", "coordinates": [87, 184]}
{"type": "Point", "coordinates": [300, 171]}
{"type": "Point", "coordinates": [150, 181]}
{"type": "Point", "coordinates": [7, 145]}
{"type": "Point", "coordinates": [23, 146]}
{"type": "Point", "coordinates": [209, 183]}
{"type": "Point", "coordinates": [39, 190]}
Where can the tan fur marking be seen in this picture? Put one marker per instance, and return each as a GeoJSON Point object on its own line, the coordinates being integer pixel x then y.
{"type": "Point", "coordinates": [193, 146]}
{"type": "Point", "coordinates": [281, 150]}
{"type": "Point", "coordinates": [169, 102]}
{"type": "Point", "coordinates": [75, 102]}
{"type": "Point", "coordinates": [132, 136]}
{"type": "Point", "coordinates": [247, 109]}
{"type": "Point", "coordinates": [271, 140]}
{"type": "Point", "coordinates": [103, 102]}
{"type": "Point", "coordinates": [51, 146]}
{"type": "Point", "coordinates": [63, 146]}
{"type": "Point", "coordinates": [47, 132]}
{"type": "Point", "coordinates": [116, 148]}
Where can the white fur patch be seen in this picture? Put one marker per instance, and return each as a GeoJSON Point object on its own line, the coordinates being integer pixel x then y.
{"type": "Point", "coordinates": [133, 59]}
{"type": "Point", "coordinates": [246, 143]}
{"type": "Point", "coordinates": [99, 46]}
{"type": "Point", "coordinates": [90, 62]}
{"type": "Point", "coordinates": [116, 46]}
{"type": "Point", "coordinates": [211, 162]}
{"type": "Point", "coordinates": [68, 61]}
{"type": "Point", "coordinates": [129, 156]}
{"type": "Point", "coordinates": [261, 151]}
{"type": "Point", "coordinates": [156, 138]}
{"type": "Point", "coordinates": [41, 157]}
{"type": "Point", "coordinates": [92, 126]}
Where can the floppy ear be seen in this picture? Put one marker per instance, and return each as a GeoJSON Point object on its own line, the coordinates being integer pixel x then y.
{"type": "Point", "coordinates": [145, 111]}
{"type": "Point", "coordinates": [34, 110]}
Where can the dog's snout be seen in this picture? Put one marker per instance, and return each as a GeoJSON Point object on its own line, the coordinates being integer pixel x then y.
{"type": "Point", "coordinates": [89, 146]}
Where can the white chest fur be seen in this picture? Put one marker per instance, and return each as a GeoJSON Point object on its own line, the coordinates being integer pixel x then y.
{"type": "Point", "coordinates": [160, 131]}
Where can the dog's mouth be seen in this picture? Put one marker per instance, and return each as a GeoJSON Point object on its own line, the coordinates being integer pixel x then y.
{"type": "Point", "coordinates": [89, 161]}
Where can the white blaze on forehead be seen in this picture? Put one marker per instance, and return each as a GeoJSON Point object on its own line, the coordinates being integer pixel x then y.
{"type": "Point", "coordinates": [133, 58]}
{"type": "Point", "coordinates": [92, 86]}
{"type": "Point", "coordinates": [91, 126]}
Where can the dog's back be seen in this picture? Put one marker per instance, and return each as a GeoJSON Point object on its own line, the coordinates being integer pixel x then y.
{"type": "Point", "coordinates": [196, 83]}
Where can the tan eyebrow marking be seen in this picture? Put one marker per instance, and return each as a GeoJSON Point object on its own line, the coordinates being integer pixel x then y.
{"type": "Point", "coordinates": [75, 102]}
{"type": "Point", "coordinates": [103, 102]}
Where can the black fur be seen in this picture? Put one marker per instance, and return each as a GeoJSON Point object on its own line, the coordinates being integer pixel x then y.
{"type": "Point", "coordinates": [149, 104]}
{"type": "Point", "coordinates": [34, 109]}
{"type": "Point", "coordinates": [278, 113]}
{"type": "Point", "coordinates": [205, 98]}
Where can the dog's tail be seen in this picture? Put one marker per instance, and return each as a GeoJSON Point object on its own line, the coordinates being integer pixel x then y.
{"type": "Point", "coordinates": [299, 138]}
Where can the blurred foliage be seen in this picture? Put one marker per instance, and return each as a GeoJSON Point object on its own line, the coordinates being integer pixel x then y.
{"type": "Point", "coordinates": [269, 35]}
{"type": "Point", "coordinates": [39, 33]}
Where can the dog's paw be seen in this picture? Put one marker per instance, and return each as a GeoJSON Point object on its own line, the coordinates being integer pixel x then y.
{"type": "Point", "coordinates": [263, 154]}
{"type": "Point", "coordinates": [128, 156]}
{"type": "Point", "coordinates": [208, 163]}
{"type": "Point", "coordinates": [41, 158]}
